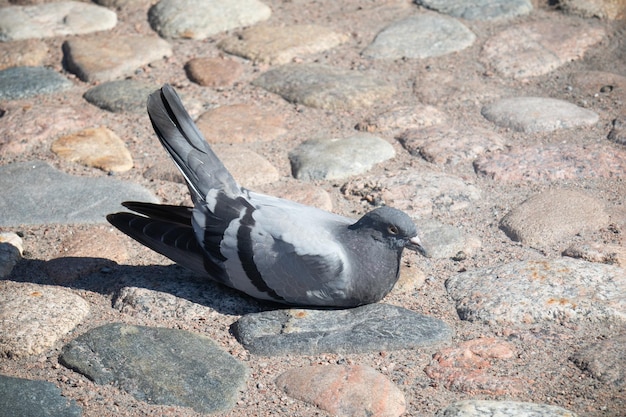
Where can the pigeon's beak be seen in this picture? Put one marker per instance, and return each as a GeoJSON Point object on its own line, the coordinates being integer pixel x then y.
{"type": "Point", "coordinates": [415, 244]}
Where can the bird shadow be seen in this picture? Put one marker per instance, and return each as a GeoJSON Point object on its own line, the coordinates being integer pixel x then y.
{"type": "Point", "coordinates": [120, 283]}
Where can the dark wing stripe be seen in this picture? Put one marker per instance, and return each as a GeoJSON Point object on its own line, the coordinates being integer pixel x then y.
{"type": "Point", "coordinates": [217, 221]}
{"type": "Point", "coordinates": [246, 255]}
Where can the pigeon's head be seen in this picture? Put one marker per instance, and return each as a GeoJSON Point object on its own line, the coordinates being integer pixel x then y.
{"type": "Point", "coordinates": [392, 226]}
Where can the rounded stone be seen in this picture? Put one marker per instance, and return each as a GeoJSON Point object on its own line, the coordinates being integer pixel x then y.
{"type": "Point", "coordinates": [338, 158]}
{"type": "Point", "coordinates": [26, 398]}
{"type": "Point", "coordinates": [54, 19]}
{"type": "Point", "coordinates": [325, 87]}
{"type": "Point", "coordinates": [98, 147]}
{"type": "Point", "coordinates": [536, 48]}
{"type": "Point", "coordinates": [199, 19]}
{"type": "Point", "coordinates": [554, 215]}
{"type": "Point", "coordinates": [213, 72]}
{"type": "Point", "coordinates": [480, 9]}
{"type": "Point", "coordinates": [560, 290]}
{"type": "Point", "coordinates": [344, 391]}
{"type": "Point", "coordinates": [33, 317]}
{"type": "Point", "coordinates": [537, 114]}
{"type": "Point", "coordinates": [311, 332]}
{"type": "Point", "coordinates": [159, 365]}
{"type": "Point", "coordinates": [26, 82]}
{"type": "Point", "coordinates": [276, 45]}
{"type": "Point", "coordinates": [241, 123]}
{"type": "Point", "coordinates": [109, 57]}
{"type": "Point", "coordinates": [121, 96]}
{"type": "Point", "coordinates": [421, 36]}
{"type": "Point", "coordinates": [28, 186]}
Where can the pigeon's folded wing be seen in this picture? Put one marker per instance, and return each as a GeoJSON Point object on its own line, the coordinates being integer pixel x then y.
{"type": "Point", "coordinates": [288, 252]}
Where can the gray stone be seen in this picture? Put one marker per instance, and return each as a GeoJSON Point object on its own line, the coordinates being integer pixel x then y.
{"type": "Point", "coordinates": [536, 48]}
{"type": "Point", "coordinates": [199, 19]}
{"type": "Point", "coordinates": [555, 161]}
{"type": "Point", "coordinates": [33, 317]}
{"type": "Point", "coordinates": [605, 360]}
{"type": "Point", "coordinates": [329, 159]}
{"type": "Point", "coordinates": [29, 186]}
{"type": "Point", "coordinates": [27, 398]}
{"type": "Point", "coordinates": [479, 9]}
{"type": "Point", "coordinates": [121, 96]}
{"type": "Point", "coordinates": [370, 328]}
{"type": "Point", "coordinates": [158, 365]}
{"type": "Point", "coordinates": [420, 36]}
{"type": "Point", "coordinates": [561, 290]}
{"type": "Point", "coordinates": [106, 58]}
{"type": "Point", "coordinates": [26, 82]}
{"type": "Point", "coordinates": [489, 408]}
{"type": "Point", "coordinates": [11, 251]}
{"type": "Point", "coordinates": [442, 241]}
{"type": "Point", "coordinates": [537, 114]}
{"type": "Point", "coordinates": [554, 215]}
{"type": "Point", "coordinates": [324, 87]}
{"type": "Point", "coordinates": [54, 19]}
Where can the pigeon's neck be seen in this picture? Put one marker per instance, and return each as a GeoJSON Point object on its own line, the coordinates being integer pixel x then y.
{"type": "Point", "coordinates": [374, 265]}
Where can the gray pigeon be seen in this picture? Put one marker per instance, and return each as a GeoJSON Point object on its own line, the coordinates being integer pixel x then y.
{"type": "Point", "coordinates": [267, 247]}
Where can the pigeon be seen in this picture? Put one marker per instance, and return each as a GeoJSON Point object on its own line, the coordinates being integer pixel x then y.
{"type": "Point", "coordinates": [267, 247]}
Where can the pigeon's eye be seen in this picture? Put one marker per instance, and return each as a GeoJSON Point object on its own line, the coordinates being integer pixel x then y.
{"type": "Point", "coordinates": [393, 230]}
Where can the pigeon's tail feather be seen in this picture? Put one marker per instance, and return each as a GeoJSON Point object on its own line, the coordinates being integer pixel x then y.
{"type": "Point", "coordinates": [181, 138]}
{"type": "Point", "coordinates": [169, 238]}
{"type": "Point", "coordinates": [171, 214]}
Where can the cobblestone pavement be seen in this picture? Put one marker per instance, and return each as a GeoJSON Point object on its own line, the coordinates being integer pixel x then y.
{"type": "Point", "coordinates": [497, 125]}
